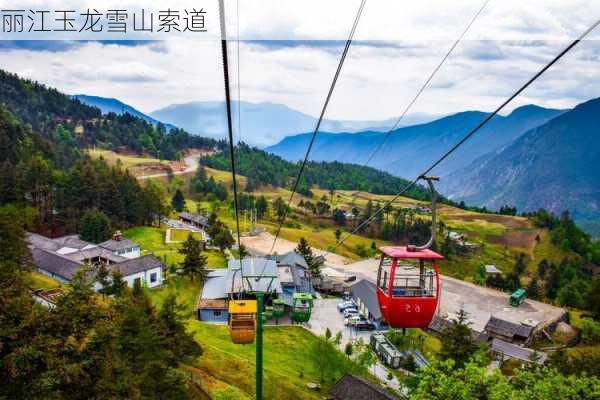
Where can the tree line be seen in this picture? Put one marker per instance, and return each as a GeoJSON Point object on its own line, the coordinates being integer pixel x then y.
{"type": "Point", "coordinates": [262, 168]}
{"type": "Point", "coordinates": [63, 185]}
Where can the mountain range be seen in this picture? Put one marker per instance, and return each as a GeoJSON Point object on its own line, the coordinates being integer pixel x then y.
{"type": "Point", "coordinates": [262, 123]}
{"type": "Point", "coordinates": [408, 150]}
{"type": "Point", "coordinates": [555, 165]}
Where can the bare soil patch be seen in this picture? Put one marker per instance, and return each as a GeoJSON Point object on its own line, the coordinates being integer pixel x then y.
{"type": "Point", "coordinates": [506, 220]}
{"type": "Point", "coordinates": [517, 238]}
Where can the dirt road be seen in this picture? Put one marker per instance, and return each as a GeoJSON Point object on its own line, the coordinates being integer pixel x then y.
{"type": "Point", "coordinates": [191, 165]}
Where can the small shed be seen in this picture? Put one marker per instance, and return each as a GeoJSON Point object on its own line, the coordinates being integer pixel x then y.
{"type": "Point", "coordinates": [505, 350]}
{"type": "Point", "coordinates": [351, 387]}
{"type": "Point", "coordinates": [213, 310]}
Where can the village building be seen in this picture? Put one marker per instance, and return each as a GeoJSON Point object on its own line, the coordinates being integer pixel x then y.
{"type": "Point", "coordinates": [290, 272]}
{"type": "Point", "coordinates": [509, 331]}
{"type": "Point", "coordinates": [333, 281]}
{"type": "Point", "coordinates": [364, 294]}
{"type": "Point", "coordinates": [351, 387]}
{"type": "Point", "coordinates": [235, 282]}
{"type": "Point", "coordinates": [121, 246]}
{"type": "Point", "coordinates": [213, 301]}
{"type": "Point", "coordinates": [61, 257]}
{"type": "Point", "coordinates": [197, 220]}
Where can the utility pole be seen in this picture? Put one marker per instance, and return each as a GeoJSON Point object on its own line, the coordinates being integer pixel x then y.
{"type": "Point", "coordinates": [259, 345]}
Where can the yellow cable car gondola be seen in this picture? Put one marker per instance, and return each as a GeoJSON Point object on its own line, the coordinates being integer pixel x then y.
{"type": "Point", "coordinates": [242, 321]}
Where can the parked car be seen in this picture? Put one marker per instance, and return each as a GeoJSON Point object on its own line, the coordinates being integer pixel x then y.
{"type": "Point", "coordinates": [345, 304]}
{"type": "Point", "coordinates": [350, 311]}
{"type": "Point", "coordinates": [354, 319]}
{"type": "Point", "coordinates": [364, 326]}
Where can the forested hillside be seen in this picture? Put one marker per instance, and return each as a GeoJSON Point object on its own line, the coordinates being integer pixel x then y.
{"type": "Point", "coordinates": [262, 168]}
{"type": "Point", "coordinates": [43, 109]}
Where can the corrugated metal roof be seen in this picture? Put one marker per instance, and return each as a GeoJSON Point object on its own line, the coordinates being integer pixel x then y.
{"type": "Point", "coordinates": [253, 267]}
{"type": "Point", "coordinates": [518, 352]}
{"type": "Point", "coordinates": [214, 287]}
{"type": "Point", "coordinates": [196, 218]}
{"type": "Point", "coordinates": [507, 328]}
{"type": "Point", "coordinates": [367, 292]}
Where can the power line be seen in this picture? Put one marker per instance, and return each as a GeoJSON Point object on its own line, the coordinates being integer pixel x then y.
{"type": "Point", "coordinates": [229, 123]}
{"type": "Point", "coordinates": [424, 86]}
{"type": "Point", "coordinates": [470, 134]}
{"type": "Point", "coordinates": [316, 131]}
{"type": "Point", "coordinates": [239, 82]}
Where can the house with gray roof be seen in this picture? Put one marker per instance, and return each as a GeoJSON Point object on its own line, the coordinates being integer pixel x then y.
{"type": "Point", "coordinates": [213, 301]}
{"type": "Point", "coordinates": [120, 246]}
{"type": "Point", "coordinates": [61, 257]}
{"type": "Point", "coordinates": [197, 220]}
{"type": "Point", "coordinates": [508, 331]}
{"type": "Point", "coordinates": [364, 294]}
{"type": "Point", "coordinates": [351, 387]}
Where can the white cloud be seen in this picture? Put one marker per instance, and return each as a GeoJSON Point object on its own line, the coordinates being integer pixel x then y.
{"type": "Point", "coordinates": [377, 81]}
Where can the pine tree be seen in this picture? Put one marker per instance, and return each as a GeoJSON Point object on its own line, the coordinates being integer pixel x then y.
{"type": "Point", "coordinates": [118, 285]}
{"type": "Point", "coordinates": [103, 278]}
{"type": "Point", "coordinates": [457, 343]}
{"type": "Point", "coordinates": [306, 251]}
{"type": "Point", "coordinates": [178, 201]}
{"type": "Point", "coordinates": [171, 319]}
{"type": "Point", "coordinates": [194, 262]}
{"type": "Point", "coordinates": [95, 227]}
{"type": "Point", "coordinates": [338, 235]}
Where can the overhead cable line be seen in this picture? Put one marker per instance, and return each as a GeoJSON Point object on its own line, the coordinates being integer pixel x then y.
{"type": "Point", "coordinates": [229, 120]}
{"type": "Point", "coordinates": [424, 86]}
{"type": "Point", "coordinates": [239, 81]}
{"type": "Point", "coordinates": [316, 131]}
{"type": "Point", "coordinates": [469, 134]}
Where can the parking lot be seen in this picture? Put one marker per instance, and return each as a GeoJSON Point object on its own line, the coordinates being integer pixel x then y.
{"type": "Point", "coordinates": [325, 315]}
{"type": "Point", "coordinates": [480, 302]}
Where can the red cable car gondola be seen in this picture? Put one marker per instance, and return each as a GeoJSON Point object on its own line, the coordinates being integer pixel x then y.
{"type": "Point", "coordinates": [408, 293]}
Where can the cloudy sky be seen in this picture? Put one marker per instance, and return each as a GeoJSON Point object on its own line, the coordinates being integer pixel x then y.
{"type": "Point", "coordinates": [290, 50]}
